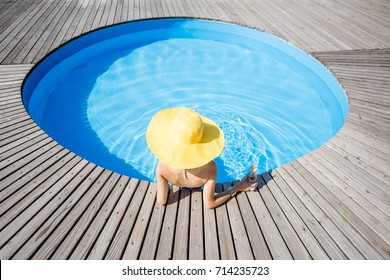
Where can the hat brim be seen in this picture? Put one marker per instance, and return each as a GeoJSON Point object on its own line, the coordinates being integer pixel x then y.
{"type": "Point", "coordinates": [179, 155]}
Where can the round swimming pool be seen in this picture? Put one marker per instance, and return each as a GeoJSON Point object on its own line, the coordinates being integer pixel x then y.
{"type": "Point", "coordinates": [96, 94]}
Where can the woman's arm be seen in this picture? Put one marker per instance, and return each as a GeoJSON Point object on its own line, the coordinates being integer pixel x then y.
{"type": "Point", "coordinates": [162, 186]}
{"type": "Point", "coordinates": [212, 200]}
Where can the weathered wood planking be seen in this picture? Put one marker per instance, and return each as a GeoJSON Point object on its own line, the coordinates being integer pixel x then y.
{"type": "Point", "coordinates": [29, 29]}
{"type": "Point", "coordinates": [332, 203]}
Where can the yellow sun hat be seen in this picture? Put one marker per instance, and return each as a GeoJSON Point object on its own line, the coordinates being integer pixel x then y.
{"type": "Point", "coordinates": [184, 139]}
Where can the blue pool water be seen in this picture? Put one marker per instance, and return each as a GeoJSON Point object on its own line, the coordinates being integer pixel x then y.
{"type": "Point", "coordinates": [96, 94]}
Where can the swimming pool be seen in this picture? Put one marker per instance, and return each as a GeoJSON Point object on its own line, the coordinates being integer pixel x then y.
{"type": "Point", "coordinates": [96, 94]}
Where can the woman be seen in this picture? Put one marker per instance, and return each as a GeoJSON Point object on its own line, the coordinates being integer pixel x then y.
{"type": "Point", "coordinates": [186, 144]}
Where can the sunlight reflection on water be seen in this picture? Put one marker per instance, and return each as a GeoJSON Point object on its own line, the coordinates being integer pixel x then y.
{"type": "Point", "coordinates": [257, 100]}
{"type": "Point", "coordinates": [96, 94]}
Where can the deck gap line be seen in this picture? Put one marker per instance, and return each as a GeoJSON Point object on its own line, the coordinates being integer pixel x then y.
{"type": "Point", "coordinates": [103, 180]}
{"type": "Point", "coordinates": [114, 178]}
{"type": "Point", "coordinates": [68, 210]}
{"type": "Point", "coordinates": [95, 169]}
{"type": "Point", "coordinates": [149, 218]}
{"type": "Point", "coordinates": [128, 203]}
{"type": "Point", "coordinates": [111, 211]}
{"type": "Point", "coordinates": [39, 211]}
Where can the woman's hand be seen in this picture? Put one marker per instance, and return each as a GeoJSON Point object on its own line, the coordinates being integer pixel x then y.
{"type": "Point", "coordinates": [244, 185]}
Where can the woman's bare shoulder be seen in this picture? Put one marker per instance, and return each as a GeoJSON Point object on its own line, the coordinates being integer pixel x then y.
{"type": "Point", "coordinates": [208, 171]}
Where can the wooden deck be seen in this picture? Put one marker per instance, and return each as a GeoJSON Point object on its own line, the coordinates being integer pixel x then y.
{"type": "Point", "coordinates": [331, 204]}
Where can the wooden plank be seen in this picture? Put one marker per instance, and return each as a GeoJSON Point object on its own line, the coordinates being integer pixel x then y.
{"type": "Point", "coordinates": [255, 234]}
{"type": "Point", "coordinates": [7, 90]}
{"type": "Point", "coordinates": [348, 16]}
{"type": "Point", "coordinates": [226, 244]}
{"type": "Point", "coordinates": [211, 244]}
{"type": "Point", "coordinates": [16, 124]}
{"type": "Point", "coordinates": [337, 213]}
{"type": "Point", "coordinates": [142, 9]}
{"type": "Point", "coordinates": [31, 165]}
{"type": "Point", "coordinates": [53, 39]}
{"type": "Point", "coordinates": [374, 114]}
{"type": "Point", "coordinates": [376, 142]}
{"type": "Point", "coordinates": [366, 189]}
{"type": "Point", "coordinates": [12, 116]}
{"type": "Point", "coordinates": [309, 241]}
{"type": "Point", "coordinates": [275, 242]}
{"type": "Point", "coordinates": [371, 128]}
{"type": "Point", "coordinates": [10, 105]}
{"type": "Point", "coordinates": [20, 130]}
{"type": "Point", "coordinates": [380, 151]}
{"type": "Point", "coordinates": [123, 233]}
{"type": "Point", "coordinates": [7, 69]}
{"type": "Point", "coordinates": [327, 217]}
{"type": "Point", "coordinates": [75, 18]}
{"type": "Point", "coordinates": [211, 9]}
{"type": "Point", "coordinates": [356, 163]}
{"type": "Point", "coordinates": [44, 28]}
{"type": "Point", "coordinates": [12, 121]}
{"type": "Point", "coordinates": [73, 237]}
{"type": "Point", "coordinates": [178, 7]}
{"type": "Point", "coordinates": [181, 241]}
{"type": "Point", "coordinates": [26, 195]}
{"type": "Point", "coordinates": [374, 161]}
{"type": "Point", "coordinates": [10, 37]}
{"type": "Point", "coordinates": [369, 118]}
{"type": "Point", "coordinates": [326, 26]}
{"type": "Point", "coordinates": [26, 34]}
{"type": "Point", "coordinates": [196, 244]}
{"type": "Point", "coordinates": [9, 100]}
{"type": "Point", "coordinates": [19, 139]}
{"type": "Point", "coordinates": [98, 15]}
{"type": "Point", "coordinates": [92, 16]}
{"type": "Point", "coordinates": [371, 228]}
{"type": "Point", "coordinates": [118, 12]}
{"type": "Point", "coordinates": [9, 11]}
{"type": "Point", "coordinates": [81, 23]}
{"type": "Point", "coordinates": [86, 243]}
{"type": "Point", "coordinates": [123, 12]}
{"type": "Point", "coordinates": [105, 14]}
{"type": "Point", "coordinates": [27, 173]}
{"type": "Point", "coordinates": [64, 26]}
{"type": "Point", "coordinates": [42, 45]}
{"type": "Point", "coordinates": [60, 232]}
{"type": "Point", "coordinates": [240, 236]}
{"type": "Point", "coordinates": [135, 242]}
{"type": "Point", "coordinates": [165, 245]}
{"type": "Point", "coordinates": [160, 6]}
{"type": "Point", "coordinates": [362, 153]}
{"type": "Point", "coordinates": [57, 213]}
{"type": "Point", "coordinates": [25, 135]}
{"type": "Point", "coordinates": [294, 243]}
{"type": "Point", "coordinates": [316, 223]}
{"type": "Point", "coordinates": [152, 237]}
{"type": "Point", "coordinates": [112, 12]}
{"type": "Point", "coordinates": [102, 244]}
{"type": "Point", "coordinates": [24, 226]}
{"type": "Point", "coordinates": [10, 108]}
{"type": "Point", "coordinates": [13, 155]}
{"type": "Point", "coordinates": [15, 76]}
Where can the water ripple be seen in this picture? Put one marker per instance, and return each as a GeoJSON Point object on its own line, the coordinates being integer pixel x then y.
{"type": "Point", "coordinates": [271, 113]}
